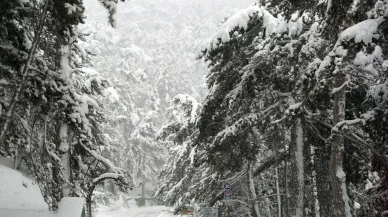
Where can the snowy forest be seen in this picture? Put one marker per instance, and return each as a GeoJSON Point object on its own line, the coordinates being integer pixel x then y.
{"type": "Point", "coordinates": [169, 100]}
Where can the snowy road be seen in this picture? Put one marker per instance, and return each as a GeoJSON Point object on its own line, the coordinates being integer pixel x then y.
{"type": "Point", "coordinates": [150, 211]}
{"type": "Point", "coordinates": [148, 214]}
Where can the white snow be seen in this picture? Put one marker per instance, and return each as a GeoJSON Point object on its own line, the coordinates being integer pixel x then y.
{"type": "Point", "coordinates": [133, 211]}
{"type": "Point", "coordinates": [336, 89]}
{"type": "Point", "coordinates": [364, 59]}
{"type": "Point", "coordinates": [111, 93]}
{"type": "Point", "coordinates": [106, 175]}
{"type": "Point", "coordinates": [70, 8]}
{"type": "Point", "coordinates": [64, 146]}
{"type": "Point", "coordinates": [340, 173]}
{"type": "Point", "coordinates": [295, 27]}
{"type": "Point", "coordinates": [241, 20]}
{"type": "Point", "coordinates": [112, 7]}
{"type": "Point", "coordinates": [17, 191]}
{"type": "Point", "coordinates": [102, 159]}
{"type": "Point", "coordinates": [27, 42]}
{"type": "Point", "coordinates": [70, 206]}
{"type": "Point", "coordinates": [3, 81]}
{"type": "Point", "coordinates": [346, 199]}
{"type": "Point", "coordinates": [135, 119]}
{"type": "Point", "coordinates": [89, 71]}
{"type": "Point", "coordinates": [66, 173]}
{"type": "Point", "coordinates": [344, 124]}
{"type": "Point", "coordinates": [356, 205]}
{"type": "Point", "coordinates": [65, 63]}
{"type": "Point", "coordinates": [83, 167]}
{"type": "Point", "coordinates": [97, 79]}
{"type": "Point", "coordinates": [362, 31]}
{"type": "Point", "coordinates": [292, 108]}
{"type": "Point", "coordinates": [329, 4]}
{"type": "Point", "coordinates": [354, 6]}
{"type": "Point", "coordinates": [295, 106]}
{"type": "Point", "coordinates": [185, 99]}
{"type": "Point", "coordinates": [25, 213]}
{"type": "Point", "coordinates": [369, 115]}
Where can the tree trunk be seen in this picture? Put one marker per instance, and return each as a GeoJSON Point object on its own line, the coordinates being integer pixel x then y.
{"type": "Point", "coordinates": [315, 191]}
{"type": "Point", "coordinates": [57, 182]}
{"type": "Point", "coordinates": [15, 98]}
{"type": "Point", "coordinates": [278, 192]}
{"type": "Point", "coordinates": [297, 180]}
{"type": "Point", "coordinates": [64, 150]}
{"type": "Point", "coordinates": [89, 200]}
{"type": "Point", "coordinates": [252, 190]}
{"type": "Point", "coordinates": [321, 166]}
{"type": "Point", "coordinates": [323, 182]}
{"type": "Point", "coordinates": [337, 175]}
{"type": "Point", "coordinates": [287, 204]}
{"type": "Point", "coordinates": [143, 189]}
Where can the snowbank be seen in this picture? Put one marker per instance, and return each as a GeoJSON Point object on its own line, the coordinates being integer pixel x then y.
{"type": "Point", "coordinates": [25, 213]}
{"type": "Point", "coordinates": [17, 191]}
{"type": "Point", "coordinates": [70, 206]}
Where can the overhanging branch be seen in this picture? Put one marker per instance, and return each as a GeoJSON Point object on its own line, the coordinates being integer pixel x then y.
{"type": "Point", "coordinates": [272, 160]}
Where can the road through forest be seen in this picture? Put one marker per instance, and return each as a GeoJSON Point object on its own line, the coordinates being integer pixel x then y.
{"type": "Point", "coordinates": [133, 211]}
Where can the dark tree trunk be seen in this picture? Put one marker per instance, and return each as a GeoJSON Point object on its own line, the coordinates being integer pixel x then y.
{"type": "Point", "coordinates": [337, 174]}
{"type": "Point", "coordinates": [297, 170]}
{"type": "Point", "coordinates": [321, 166]}
{"type": "Point", "coordinates": [89, 200]}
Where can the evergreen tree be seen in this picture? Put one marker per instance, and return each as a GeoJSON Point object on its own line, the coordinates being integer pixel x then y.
{"type": "Point", "coordinates": [51, 119]}
{"type": "Point", "coordinates": [280, 74]}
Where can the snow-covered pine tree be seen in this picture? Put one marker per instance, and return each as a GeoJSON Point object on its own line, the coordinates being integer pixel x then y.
{"type": "Point", "coordinates": [52, 121]}
{"type": "Point", "coordinates": [176, 175]}
{"type": "Point", "coordinates": [262, 94]}
{"type": "Point", "coordinates": [288, 53]}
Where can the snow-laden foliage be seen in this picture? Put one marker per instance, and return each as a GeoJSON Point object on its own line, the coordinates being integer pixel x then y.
{"type": "Point", "coordinates": [51, 115]}
{"type": "Point", "coordinates": [149, 58]}
{"type": "Point", "coordinates": [288, 77]}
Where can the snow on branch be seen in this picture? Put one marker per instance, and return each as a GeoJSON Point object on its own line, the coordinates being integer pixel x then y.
{"type": "Point", "coordinates": [272, 160]}
{"type": "Point", "coordinates": [243, 123]}
{"type": "Point", "coordinates": [103, 160]}
{"type": "Point", "coordinates": [241, 20]}
{"type": "Point", "coordinates": [293, 107]}
{"type": "Point", "coordinates": [52, 154]}
{"type": "Point", "coordinates": [111, 6]}
{"type": "Point", "coordinates": [370, 115]}
{"type": "Point", "coordinates": [344, 124]}
{"type": "Point", "coordinates": [106, 176]}
{"type": "Point", "coordinates": [336, 89]}
{"type": "Point", "coordinates": [379, 92]}
{"type": "Point", "coordinates": [361, 32]}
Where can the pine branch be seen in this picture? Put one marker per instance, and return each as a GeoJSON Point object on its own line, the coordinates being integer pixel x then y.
{"type": "Point", "coordinates": [273, 160]}
{"type": "Point", "coordinates": [26, 67]}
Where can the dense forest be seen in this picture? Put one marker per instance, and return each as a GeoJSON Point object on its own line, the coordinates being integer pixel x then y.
{"type": "Point", "coordinates": [286, 100]}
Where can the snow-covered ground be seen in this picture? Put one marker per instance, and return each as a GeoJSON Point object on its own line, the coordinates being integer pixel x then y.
{"type": "Point", "coordinates": [17, 190]}
{"type": "Point", "coordinates": [150, 211]}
